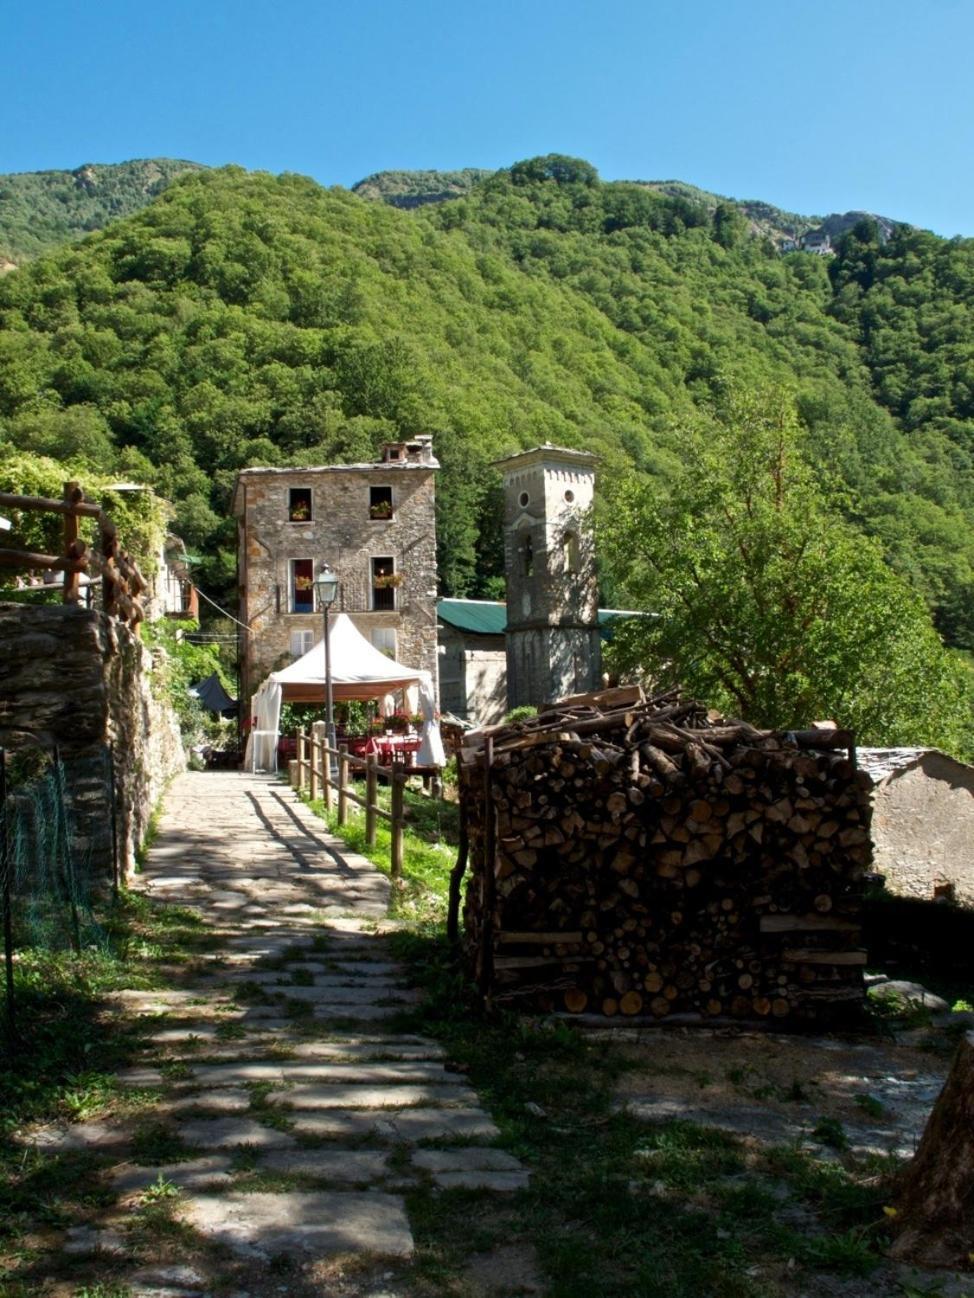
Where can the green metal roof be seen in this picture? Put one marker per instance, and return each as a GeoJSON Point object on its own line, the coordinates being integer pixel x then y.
{"type": "Point", "coordinates": [481, 616]}
{"type": "Point", "coordinates": [489, 617]}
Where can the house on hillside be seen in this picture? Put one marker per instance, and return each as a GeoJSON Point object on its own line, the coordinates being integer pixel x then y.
{"type": "Point", "coordinates": [817, 241]}
{"type": "Point", "coordinates": [923, 822]}
{"type": "Point", "coordinates": [374, 524]}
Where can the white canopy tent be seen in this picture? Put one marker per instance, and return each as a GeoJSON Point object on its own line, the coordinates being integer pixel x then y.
{"type": "Point", "coordinates": [358, 671]}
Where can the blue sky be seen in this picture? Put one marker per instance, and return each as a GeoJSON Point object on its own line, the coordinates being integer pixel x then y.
{"type": "Point", "coordinates": [816, 107]}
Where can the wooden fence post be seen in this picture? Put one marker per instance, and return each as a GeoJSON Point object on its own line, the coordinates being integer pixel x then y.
{"type": "Point", "coordinates": [342, 786]}
{"type": "Point", "coordinates": [371, 796]}
{"type": "Point", "coordinates": [398, 785]}
{"type": "Point", "coordinates": [314, 746]}
{"type": "Point", "coordinates": [72, 586]}
{"type": "Point", "coordinates": [292, 773]}
{"type": "Point", "coordinates": [326, 781]}
{"type": "Point", "coordinates": [302, 758]}
{"type": "Point", "coordinates": [486, 963]}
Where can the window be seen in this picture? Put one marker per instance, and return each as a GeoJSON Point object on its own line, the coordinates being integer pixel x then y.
{"type": "Point", "coordinates": [571, 552]}
{"type": "Point", "coordinates": [380, 503]}
{"type": "Point", "coordinates": [298, 504]}
{"type": "Point", "coordinates": [384, 639]}
{"type": "Point", "coordinates": [302, 642]}
{"type": "Point", "coordinates": [302, 586]}
{"type": "Point", "coordinates": [528, 556]}
{"type": "Point", "coordinates": [385, 579]}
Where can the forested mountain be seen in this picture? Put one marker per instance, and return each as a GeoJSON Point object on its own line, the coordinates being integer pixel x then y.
{"type": "Point", "coordinates": [40, 210]}
{"type": "Point", "coordinates": [249, 319]}
{"type": "Point", "coordinates": [414, 188]}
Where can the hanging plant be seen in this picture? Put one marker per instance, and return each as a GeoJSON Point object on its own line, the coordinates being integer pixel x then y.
{"type": "Point", "coordinates": [387, 580]}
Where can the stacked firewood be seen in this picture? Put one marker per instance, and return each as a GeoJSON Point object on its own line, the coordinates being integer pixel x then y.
{"type": "Point", "coordinates": [648, 858]}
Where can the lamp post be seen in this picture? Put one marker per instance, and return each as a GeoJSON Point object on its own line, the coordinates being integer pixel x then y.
{"type": "Point", "coordinates": [326, 583]}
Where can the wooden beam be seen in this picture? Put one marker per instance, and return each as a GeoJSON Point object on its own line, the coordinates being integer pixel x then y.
{"type": "Point", "coordinates": [39, 503]}
{"type": "Point", "coordinates": [823, 957]}
{"type": "Point", "coordinates": [807, 924]}
{"type": "Point", "coordinates": [51, 562]}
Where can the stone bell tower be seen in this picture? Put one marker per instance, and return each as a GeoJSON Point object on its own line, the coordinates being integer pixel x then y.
{"type": "Point", "coordinates": [553, 646]}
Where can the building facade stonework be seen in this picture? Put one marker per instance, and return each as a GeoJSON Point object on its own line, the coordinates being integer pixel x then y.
{"type": "Point", "coordinates": [374, 524]}
{"type": "Point", "coordinates": [923, 822]}
{"type": "Point", "coordinates": [553, 644]}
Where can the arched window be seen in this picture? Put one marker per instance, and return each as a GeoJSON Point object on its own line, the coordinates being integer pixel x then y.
{"type": "Point", "coordinates": [527, 551]}
{"type": "Point", "coordinates": [570, 549]}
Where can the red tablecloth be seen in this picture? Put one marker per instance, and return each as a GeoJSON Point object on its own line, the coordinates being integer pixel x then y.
{"type": "Point", "coordinates": [394, 748]}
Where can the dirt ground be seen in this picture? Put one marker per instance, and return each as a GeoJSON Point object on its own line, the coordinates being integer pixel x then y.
{"type": "Point", "coordinates": [778, 1088]}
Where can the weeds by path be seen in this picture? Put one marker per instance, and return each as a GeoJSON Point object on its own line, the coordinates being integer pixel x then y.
{"type": "Point", "coordinates": [62, 1065]}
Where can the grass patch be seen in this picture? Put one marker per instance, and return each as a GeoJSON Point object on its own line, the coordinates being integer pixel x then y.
{"type": "Point", "coordinates": [61, 1066]}
{"type": "Point", "coordinates": [429, 851]}
{"type": "Point", "coordinates": [618, 1206]}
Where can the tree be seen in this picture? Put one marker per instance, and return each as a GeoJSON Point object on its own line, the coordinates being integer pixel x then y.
{"type": "Point", "coordinates": [764, 602]}
{"type": "Point", "coordinates": [730, 227]}
{"type": "Point", "coordinates": [934, 1220]}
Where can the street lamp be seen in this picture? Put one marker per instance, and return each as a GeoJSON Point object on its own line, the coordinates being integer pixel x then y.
{"type": "Point", "coordinates": [326, 583]}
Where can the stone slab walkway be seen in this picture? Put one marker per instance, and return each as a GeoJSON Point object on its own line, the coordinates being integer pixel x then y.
{"type": "Point", "coordinates": [290, 1113]}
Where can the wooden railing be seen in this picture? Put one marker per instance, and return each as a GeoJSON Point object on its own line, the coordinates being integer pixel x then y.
{"type": "Point", "coordinates": [324, 772]}
{"type": "Point", "coordinates": [123, 585]}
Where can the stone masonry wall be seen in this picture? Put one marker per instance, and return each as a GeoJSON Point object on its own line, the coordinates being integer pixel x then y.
{"type": "Point", "coordinates": [341, 532]}
{"type": "Point", "coordinates": [923, 828]}
{"type": "Point", "coordinates": [77, 680]}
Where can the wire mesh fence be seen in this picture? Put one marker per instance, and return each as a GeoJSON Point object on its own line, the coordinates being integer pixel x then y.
{"type": "Point", "coordinates": [50, 877]}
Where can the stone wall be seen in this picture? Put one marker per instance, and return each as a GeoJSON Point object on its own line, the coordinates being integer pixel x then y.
{"type": "Point", "coordinates": [473, 675]}
{"type": "Point", "coordinates": [73, 679]}
{"type": "Point", "coordinates": [923, 829]}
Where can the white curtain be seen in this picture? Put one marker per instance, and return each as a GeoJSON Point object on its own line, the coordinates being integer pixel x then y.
{"type": "Point", "coordinates": [265, 708]}
{"type": "Point", "coordinates": [431, 745]}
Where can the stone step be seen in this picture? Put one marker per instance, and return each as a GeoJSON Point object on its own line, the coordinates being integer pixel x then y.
{"type": "Point", "coordinates": [336, 1096]}
{"type": "Point", "coordinates": [352, 1166]}
{"type": "Point", "coordinates": [214, 1169]}
{"type": "Point", "coordinates": [313, 1224]}
{"type": "Point", "coordinates": [224, 1133]}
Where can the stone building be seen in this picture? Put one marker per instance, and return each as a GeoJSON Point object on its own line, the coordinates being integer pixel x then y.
{"type": "Point", "coordinates": [373, 523]}
{"type": "Point", "coordinates": [473, 659]}
{"type": "Point", "coordinates": [923, 822]}
{"type": "Point", "coordinates": [552, 591]}
{"type": "Point", "coordinates": [473, 656]}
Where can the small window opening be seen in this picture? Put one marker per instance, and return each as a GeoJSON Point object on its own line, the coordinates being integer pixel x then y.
{"type": "Point", "coordinates": [299, 504]}
{"type": "Point", "coordinates": [571, 552]}
{"type": "Point", "coordinates": [523, 499]}
{"type": "Point", "coordinates": [569, 495]}
{"type": "Point", "coordinates": [380, 503]}
{"type": "Point", "coordinates": [302, 586]}
{"type": "Point", "coordinates": [385, 579]}
{"type": "Point", "coordinates": [528, 557]}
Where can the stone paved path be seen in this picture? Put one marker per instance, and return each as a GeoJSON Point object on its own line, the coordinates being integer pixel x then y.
{"type": "Point", "coordinates": [297, 1112]}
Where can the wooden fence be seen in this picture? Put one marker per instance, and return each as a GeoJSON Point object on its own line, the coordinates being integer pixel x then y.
{"type": "Point", "coordinates": [123, 586]}
{"type": "Point", "coordinates": [326, 773]}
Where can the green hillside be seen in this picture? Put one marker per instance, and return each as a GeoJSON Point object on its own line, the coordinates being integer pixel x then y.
{"type": "Point", "coordinates": [39, 210]}
{"type": "Point", "coordinates": [415, 188]}
{"type": "Point", "coordinates": [246, 319]}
